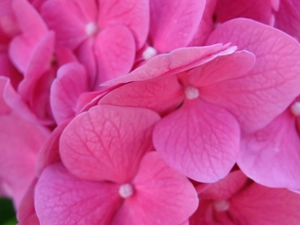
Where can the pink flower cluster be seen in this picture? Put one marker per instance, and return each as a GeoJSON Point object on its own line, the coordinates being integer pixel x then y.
{"type": "Point", "coordinates": [150, 112]}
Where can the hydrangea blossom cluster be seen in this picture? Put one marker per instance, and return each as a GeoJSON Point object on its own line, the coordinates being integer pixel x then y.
{"type": "Point", "coordinates": [150, 112]}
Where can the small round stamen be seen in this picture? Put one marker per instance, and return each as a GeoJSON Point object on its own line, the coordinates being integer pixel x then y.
{"type": "Point", "coordinates": [191, 92]}
{"type": "Point", "coordinates": [91, 28]}
{"type": "Point", "coordinates": [295, 109]}
{"type": "Point", "coordinates": [149, 53]}
{"type": "Point", "coordinates": [221, 206]}
{"type": "Point", "coordinates": [126, 190]}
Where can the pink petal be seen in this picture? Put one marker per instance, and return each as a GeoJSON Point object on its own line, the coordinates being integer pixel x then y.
{"type": "Point", "coordinates": [270, 86]}
{"type": "Point", "coordinates": [271, 155]}
{"type": "Point", "coordinates": [36, 4]}
{"type": "Point", "coordinates": [175, 62]}
{"type": "Point", "coordinates": [89, 99]}
{"type": "Point", "coordinates": [20, 51]}
{"type": "Point", "coordinates": [288, 17]}
{"type": "Point", "coordinates": [131, 13]}
{"type": "Point", "coordinates": [163, 196]}
{"type": "Point", "coordinates": [260, 11]}
{"type": "Point", "coordinates": [7, 69]}
{"type": "Point", "coordinates": [11, 101]}
{"type": "Point", "coordinates": [33, 30]}
{"type": "Point", "coordinates": [206, 25]}
{"type": "Point", "coordinates": [86, 56]}
{"type": "Point", "coordinates": [63, 199]}
{"type": "Point", "coordinates": [69, 19]}
{"type": "Point", "coordinates": [26, 210]}
{"type": "Point", "coordinates": [162, 94]}
{"type": "Point", "coordinates": [19, 146]}
{"type": "Point", "coordinates": [275, 4]}
{"type": "Point", "coordinates": [29, 19]}
{"type": "Point", "coordinates": [71, 81]}
{"type": "Point", "coordinates": [8, 24]}
{"type": "Point", "coordinates": [199, 139]}
{"type": "Point", "coordinates": [40, 99]}
{"type": "Point", "coordinates": [35, 87]}
{"type": "Point", "coordinates": [221, 68]}
{"type": "Point", "coordinates": [173, 23]}
{"type": "Point", "coordinates": [204, 214]}
{"type": "Point", "coordinates": [215, 196]}
{"type": "Point", "coordinates": [107, 142]}
{"type": "Point", "coordinates": [49, 153]}
{"type": "Point", "coordinates": [115, 52]}
{"type": "Point", "coordinates": [20, 142]}
{"type": "Point", "coordinates": [266, 206]}
{"type": "Point", "coordinates": [185, 223]}
{"type": "Point", "coordinates": [64, 55]}
{"type": "Point", "coordinates": [38, 65]}
{"type": "Point", "coordinates": [32, 220]}
{"type": "Point", "coordinates": [225, 188]}
{"type": "Point", "coordinates": [88, 8]}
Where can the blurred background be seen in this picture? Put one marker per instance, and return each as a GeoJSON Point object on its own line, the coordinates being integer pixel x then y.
{"type": "Point", "coordinates": [7, 213]}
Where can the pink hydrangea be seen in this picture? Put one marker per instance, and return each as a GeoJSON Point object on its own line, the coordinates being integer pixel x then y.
{"type": "Point", "coordinates": [150, 111]}
{"type": "Point", "coordinates": [104, 34]}
{"type": "Point", "coordinates": [206, 96]}
{"type": "Point", "coordinates": [238, 200]}
{"type": "Point", "coordinates": [21, 138]}
{"type": "Point", "coordinates": [270, 156]}
{"type": "Point", "coordinates": [110, 175]}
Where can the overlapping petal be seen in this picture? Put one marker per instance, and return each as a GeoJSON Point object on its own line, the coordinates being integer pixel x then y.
{"type": "Point", "coordinates": [266, 206]}
{"type": "Point", "coordinates": [257, 10]}
{"type": "Point", "coordinates": [273, 82]}
{"type": "Point", "coordinates": [206, 25]}
{"type": "Point", "coordinates": [35, 86]}
{"type": "Point", "coordinates": [20, 140]}
{"type": "Point", "coordinates": [61, 198]}
{"type": "Point", "coordinates": [72, 15]}
{"type": "Point", "coordinates": [70, 83]}
{"type": "Point", "coordinates": [174, 23]}
{"type": "Point", "coordinates": [162, 94]}
{"type": "Point", "coordinates": [271, 155]}
{"type": "Point", "coordinates": [245, 202]}
{"type": "Point", "coordinates": [114, 52]}
{"type": "Point", "coordinates": [222, 68]}
{"type": "Point", "coordinates": [177, 61]}
{"type": "Point", "coordinates": [287, 17]}
{"type": "Point", "coordinates": [199, 139]}
{"type": "Point", "coordinates": [107, 142]}
{"type": "Point", "coordinates": [182, 90]}
{"type": "Point", "coordinates": [225, 188]}
{"type": "Point", "coordinates": [162, 195]}
{"type": "Point", "coordinates": [33, 30]}
{"type": "Point", "coordinates": [132, 13]}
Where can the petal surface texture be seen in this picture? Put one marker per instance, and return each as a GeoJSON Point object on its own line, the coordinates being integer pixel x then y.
{"type": "Point", "coordinates": [271, 155]}
{"type": "Point", "coordinates": [173, 23]}
{"type": "Point", "coordinates": [107, 142]}
{"type": "Point", "coordinates": [199, 139]}
{"type": "Point", "coordinates": [162, 196]}
{"type": "Point", "coordinates": [273, 82]}
{"type": "Point", "coordinates": [63, 199]}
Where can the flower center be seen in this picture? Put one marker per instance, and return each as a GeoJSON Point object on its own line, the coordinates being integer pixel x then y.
{"type": "Point", "coordinates": [295, 109]}
{"type": "Point", "coordinates": [126, 190]}
{"type": "Point", "coordinates": [91, 28]}
{"type": "Point", "coordinates": [191, 92]}
{"type": "Point", "coordinates": [149, 53]}
{"type": "Point", "coordinates": [221, 206]}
